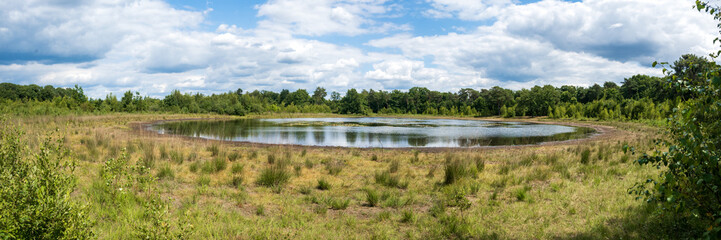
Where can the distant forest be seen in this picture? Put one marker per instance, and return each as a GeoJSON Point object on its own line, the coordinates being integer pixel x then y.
{"type": "Point", "coordinates": [639, 97]}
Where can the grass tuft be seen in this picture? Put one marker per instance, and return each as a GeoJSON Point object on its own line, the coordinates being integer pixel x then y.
{"type": "Point", "coordinates": [585, 155]}
{"type": "Point", "coordinates": [165, 172]}
{"type": "Point", "coordinates": [323, 184]}
{"type": "Point", "coordinates": [274, 176]}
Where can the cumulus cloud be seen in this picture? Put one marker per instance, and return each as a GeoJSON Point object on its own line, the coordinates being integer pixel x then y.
{"type": "Point", "coordinates": [150, 47]}
{"type": "Point", "coordinates": [620, 30]}
{"type": "Point", "coordinates": [467, 10]}
{"type": "Point", "coordinates": [554, 42]}
{"type": "Point", "coordinates": [81, 30]}
{"type": "Point", "coordinates": [314, 18]}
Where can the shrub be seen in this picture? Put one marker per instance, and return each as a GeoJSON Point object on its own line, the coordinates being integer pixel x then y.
{"type": "Point", "coordinates": [374, 158]}
{"type": "Point", "coordinates": [690, 176]}
{"type": "Point", "coordinates": [35, 194]}
{"type": "Point", "coordinates": [157, 223]}
{"type": "Point", "coordinates": [271, 158]}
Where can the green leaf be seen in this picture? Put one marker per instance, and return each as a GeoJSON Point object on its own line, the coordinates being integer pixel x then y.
{"type": "Point", "coordinates": [716, 81]}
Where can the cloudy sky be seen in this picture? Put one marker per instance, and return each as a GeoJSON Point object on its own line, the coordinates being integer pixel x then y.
{"type": "Point", "coordinates": [155, 46]}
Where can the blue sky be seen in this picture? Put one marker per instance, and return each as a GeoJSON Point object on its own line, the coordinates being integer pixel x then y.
{"type": "Point", "coordinates": [155, 46]}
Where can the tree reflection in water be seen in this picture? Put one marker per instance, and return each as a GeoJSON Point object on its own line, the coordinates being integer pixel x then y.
{"type": "Point", "coordinates": [374, 132]}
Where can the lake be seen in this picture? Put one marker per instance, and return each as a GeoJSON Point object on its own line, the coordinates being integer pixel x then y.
{"type": "Point", "coordinates": [372, 132]}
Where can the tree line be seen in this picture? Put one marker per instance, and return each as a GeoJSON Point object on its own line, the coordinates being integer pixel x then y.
{"type": "Point", "coordinates": [638, 97]}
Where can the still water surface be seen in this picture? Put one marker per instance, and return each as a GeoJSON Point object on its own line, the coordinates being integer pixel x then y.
{"type": "Point", "coordinates": [374, 132]}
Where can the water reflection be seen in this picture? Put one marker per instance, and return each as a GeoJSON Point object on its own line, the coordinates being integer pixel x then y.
{"type": "Point", "coordinates": [374, 132]}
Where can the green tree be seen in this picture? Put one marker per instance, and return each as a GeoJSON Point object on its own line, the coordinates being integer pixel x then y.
{"type": "Point", "coordinates": [319, 95]}
{"type": "Point", "coordinates": [352, 103]}
{"type": "Point", "coordinates": [35, 194]}
{"type": "Point", "coordinates": [690, 181]}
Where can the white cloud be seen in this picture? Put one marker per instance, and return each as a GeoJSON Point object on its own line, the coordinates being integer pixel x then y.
{"type": "Point", "coordinates": [59, 31]}
{"type": "Point", "coordinates": [149, 47]}
{"type": "Point", "coordinates": [320, 17]}
{"type": "Point", "coordinates": [643, 30]}
{"type": "Point", "coordinates": [467, 10]}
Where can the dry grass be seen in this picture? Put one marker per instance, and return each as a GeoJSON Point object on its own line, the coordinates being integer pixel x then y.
{"type": "Point", "coordinates": [554, 191]}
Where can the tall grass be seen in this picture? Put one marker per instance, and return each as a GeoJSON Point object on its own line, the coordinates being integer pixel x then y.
{"type": "Point", "coordinates": [275, 175]}
{"type": "Point", "coordinates": [323, 184]}
{"type": "Point", "coordinates": [455, 169]}
{"type": "Point", "coordinates": [387, 179]}
{"type": "Point", "coordinates": [165, 172]}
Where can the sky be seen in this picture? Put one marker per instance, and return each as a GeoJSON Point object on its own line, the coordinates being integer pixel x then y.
{"type": "Point", "coordinates": [215, 46]}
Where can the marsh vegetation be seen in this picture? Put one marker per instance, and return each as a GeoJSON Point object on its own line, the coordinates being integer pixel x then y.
{"type": "Point", "coordinates": [139, 184]}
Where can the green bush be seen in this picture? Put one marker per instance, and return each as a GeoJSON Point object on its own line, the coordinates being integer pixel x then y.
{"type": "Point", "coordinates": [35, 191]}
{"type": "Point", "coordinates": [690, 176]}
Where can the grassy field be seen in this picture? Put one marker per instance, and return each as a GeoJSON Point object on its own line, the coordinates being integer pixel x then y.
{"type": "Point", "coordinates": [138, 184]}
